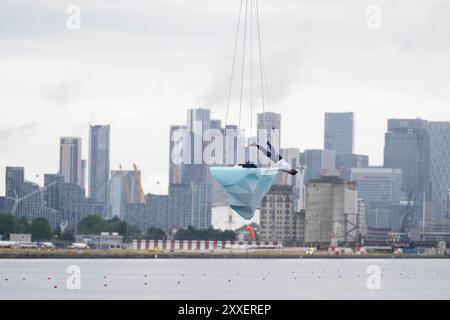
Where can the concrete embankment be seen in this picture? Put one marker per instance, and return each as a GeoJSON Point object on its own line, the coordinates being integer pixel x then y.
{"type": "Point", "coordinates": [225, 254]}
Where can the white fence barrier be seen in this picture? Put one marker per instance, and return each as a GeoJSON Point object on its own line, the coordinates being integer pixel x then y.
{"type": "Point", "coordinates": [201, 245]}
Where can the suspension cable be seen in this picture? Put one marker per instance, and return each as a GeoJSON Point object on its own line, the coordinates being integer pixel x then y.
{"type": "Point", "coordinates": [260, 57]}
{"type": "Point", "coordinates": [233, 64]}
{"type": "Point", "coordinates": [251, 67]}
{"type": "Point", "coordinates": [263, 67]}
{"type": "Point", "coordinates": [267, 86]}
{"type": "Point", "coordinates": [243, 62]}
{"type": "Point", "coordinates": [265, 94]}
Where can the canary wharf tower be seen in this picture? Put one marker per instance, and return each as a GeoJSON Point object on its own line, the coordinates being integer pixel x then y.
{"type": "Point", "coordinates": [407, 147]}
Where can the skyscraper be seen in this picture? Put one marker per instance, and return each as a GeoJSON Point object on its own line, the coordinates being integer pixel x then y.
{"type": "Point", "coordinates": [439, 167]}
{"type": "Point", "coordinates": [292, 156]}
{"type": "Point", "coordinates": [346, 161]}
{"type": "Point", "coordinates": [123, 190]}
{"type": "Point", "coordinates": [2, 204]}
{"type": "Point", "coordinates": [99, 163]}
{"type": "Point", "coordinates": [201, 206]}
{"type": "Point", "coordinates": [380, 188]}
{"type": "Point", "coordinates": [407, 147]}
{"type": "Point", "coordinates": [13, 186]}
{"type": "Point", "coordinates": [32, 203]}
{"type": "Point", "coordinates": [83, 173]}
{"type": "Point", "coordinates": [318, 162]}
{"type": "Point", "coordinates": [70, 165]}
{"type": "Point", "coordinates": [75, 206]}
{"type": "Point", "coordinates": [175, 165]}
{"type": "Point", "coordinates": [53, 184]}
{"type": "Point", "coordinates": [191, 185]}
{"type": "Point", "coordinates": [339, 132]}
{"type": "Point", "coordinates": [198, 121]}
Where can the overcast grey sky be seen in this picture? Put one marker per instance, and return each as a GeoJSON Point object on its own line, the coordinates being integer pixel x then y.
{"type": "Point", "coordinates": [138, 65]}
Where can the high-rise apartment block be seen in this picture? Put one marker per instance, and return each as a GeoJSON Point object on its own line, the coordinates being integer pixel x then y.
{"type": "Point", "coordinates": [70, 165]}
{"type": "Point", "coordinates": [99, 152]}
{"type": "Point", "coordinates": [278, 219]}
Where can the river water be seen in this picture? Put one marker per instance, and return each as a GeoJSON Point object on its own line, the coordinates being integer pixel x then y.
{"type": "Point", "coordinates": [225, 279]}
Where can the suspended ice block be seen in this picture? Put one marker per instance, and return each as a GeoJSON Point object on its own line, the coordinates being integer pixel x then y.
{"type": "Point", "coordinates": [245, 187]}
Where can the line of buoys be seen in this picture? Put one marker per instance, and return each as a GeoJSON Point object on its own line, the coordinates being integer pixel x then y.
{"type": "Point", "coordinates": [318, 274]}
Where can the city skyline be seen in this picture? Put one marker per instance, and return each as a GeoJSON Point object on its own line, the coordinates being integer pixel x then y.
{"type": "Point", "coordinates": [163, 185]}
{"type": "Point", "coordinates": [81, 76]}
{"type": "Point", "coordinates": [192, 193]}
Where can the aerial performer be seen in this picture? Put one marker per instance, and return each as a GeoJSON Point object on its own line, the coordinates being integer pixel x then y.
{"type": "Point", "coordinates": [247, 184]}
{"type": "Point", "coordinates": [280, 164]}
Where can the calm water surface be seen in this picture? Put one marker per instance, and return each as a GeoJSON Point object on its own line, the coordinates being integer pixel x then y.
{"type": "Point", "coordinates": [226, 279]}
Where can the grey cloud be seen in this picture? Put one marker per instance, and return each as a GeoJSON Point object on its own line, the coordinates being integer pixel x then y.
{"type": "Point", "coordinates": [15, 136]}
{"type": "Point", "coordinates": [65, 90]}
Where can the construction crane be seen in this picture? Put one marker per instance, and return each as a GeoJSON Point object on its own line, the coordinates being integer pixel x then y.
{"type": "Point", "coordinates": [402, 234]}
{"type": "Point", "coordinates": [404, 221]}
{"type": "Point", "coordinates": [140, 190]}
{"type": "Point", "coordinates": [18, 200]}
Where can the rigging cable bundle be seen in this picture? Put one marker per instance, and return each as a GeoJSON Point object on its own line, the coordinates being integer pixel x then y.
{"type": "Point", "coordinates": [246, 186]}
